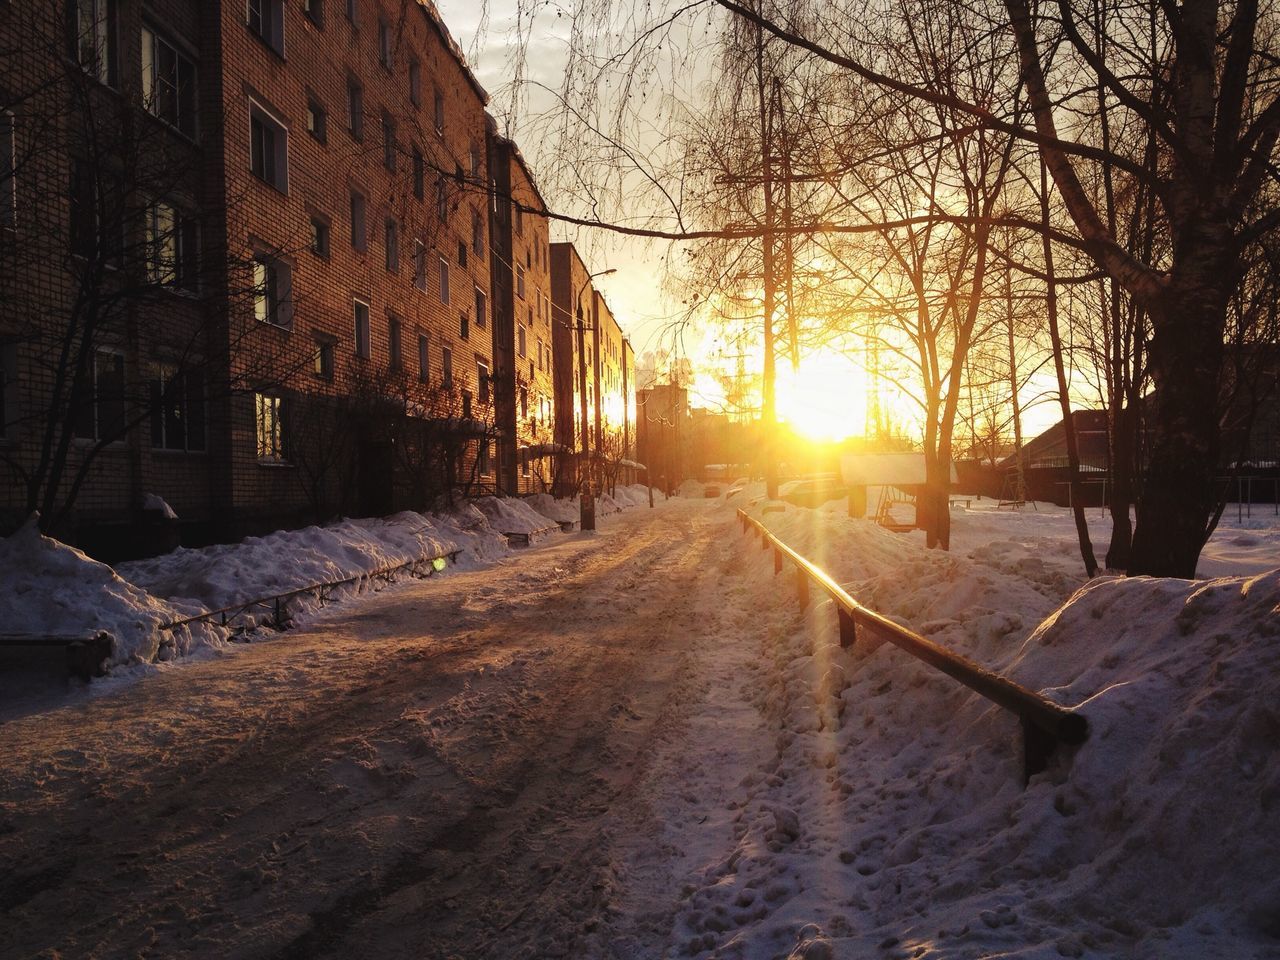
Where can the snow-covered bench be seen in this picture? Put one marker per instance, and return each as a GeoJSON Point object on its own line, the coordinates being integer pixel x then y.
{"type": "Point", "coordinates": [85, 655]}
{"type": "Point", "coordinates": [523, 538]}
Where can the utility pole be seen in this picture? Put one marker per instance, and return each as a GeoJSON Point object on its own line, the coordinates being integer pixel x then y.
{"type": "Point", "coordinates": [769, 408]}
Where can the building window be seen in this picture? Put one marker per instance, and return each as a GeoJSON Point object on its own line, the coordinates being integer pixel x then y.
{"type": "Point", "coordinates": [466, 404]}
{"type": "Point", "coordinates": [352, 10]}
{"type": "Point", "coordinates": [464, 325]}
{"type": "Point", "coordinates": [269, 423]}
{"type": "Point", "coordinates": [324, 357]}
{"type": "Point", "coordinates": [313, 10]}
{"type": "Point", "coordinates": [268, 148]}
{"type": "Point", "coordinates": [482, 308]}
{"type": "Point", "coordinates": [95, 38]}
{"type": "Point", "coordinates": [519, 218]}
{"type": "Point", "coordinates": [100, 414]}
{"type": "Point", "coordinates": [475, 162]}
{"type": "Point", "coordinates": [177, 410]}
{"type": "Point", "coordinates": [317, 120]}
{"type": "Point", "coordinates": [482, 381]}
{"type": "Point", "coordinates": [391, 242]}
{"type": "Point", "coordinates": [272, 290]}
{"type": "Point", "coordinates": [8, 388]}
{"type": "Point", "coordinates": [384, 43]}
{"type": "Point", "coordinates": [395, 350]}
{"type": "Point", "coordinates": [424, 359]}
{"type": "Point", "coordinates": [265, 19]}
{"type": "Point", "coordinates": [355, 109]}
{"type": "Point", "coordinates": [362, 329]}
{"type": "Point", "coordinates": [462, 255]}
{"type": "Point", "coordinates": [477, 234]}
{"type": "Point", "coordinates": [359, 229]}
{"type": "Point", "coordinates": [320, 236]}
{"type": "Point", "coordinates": [483, 459]}
{"type": "Point", "coordinates": [437, 110]}
{"type": "Point", "coordinates": [539, 353]}
{"type": "Point", "coordinates": [524, 402]}
{"type": "Point", "coordinates": [168, 82]}
{"type": "Point", "coordinates": [420, 265]}
{"type": "Point", "coordinates": [446, 368]}
{"type": "Point", "coordinates": [415, 83]}
{"type": "Point", "coordinates": [519, 281]}
{"type": "Point", "coordinates": [442, 199]}
{"type": "Point", "coordinates": [419, 174]}
{"type": "Point", "coordinates": [521, 340]}
{"type": "Point", "coordinates": [444, 279]}
{"type": "Point", "coordinates": [388, 142]}
{"type": "Point", "coordinates": [97, 222]}
{"type": "Point", "coordinates": [173, 247]}
{"type": "Point", "coordinates": [8, 170]}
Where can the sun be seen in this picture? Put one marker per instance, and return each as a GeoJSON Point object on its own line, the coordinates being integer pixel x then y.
{"type": "Point", "coordinates": [826, 399]}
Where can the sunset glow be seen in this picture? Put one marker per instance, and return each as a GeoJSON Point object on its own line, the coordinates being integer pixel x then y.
{"type": "Point", "coordinates": [826, 399]}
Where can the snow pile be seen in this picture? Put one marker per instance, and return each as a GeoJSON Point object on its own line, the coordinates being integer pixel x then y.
{"type": "Point", "coordinates": [892, 820]}
{"type": "Point", "coordinates": [635, 495]}
{"type": "Point", "coordinates": [53, 589]}
{"type": "Point", "coordinates": [554, 508]}
{"type": "Point", "coordinates": [692, 488]}
{"type": "Point", "coordinates": [508, 515]}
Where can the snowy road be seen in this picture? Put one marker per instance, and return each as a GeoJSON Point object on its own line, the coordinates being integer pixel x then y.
{"type": "Point", "coordinates": [454, 768]}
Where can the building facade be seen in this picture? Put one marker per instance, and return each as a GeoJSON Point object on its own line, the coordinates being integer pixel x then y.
{"type": "Point", "coordinates": [245, 266]}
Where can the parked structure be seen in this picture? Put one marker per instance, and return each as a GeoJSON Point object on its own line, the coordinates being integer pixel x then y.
{"type": "Point", "coordinates": [254, 286]}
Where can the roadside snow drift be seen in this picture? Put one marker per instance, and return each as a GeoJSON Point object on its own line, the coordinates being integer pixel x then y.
{"type": "Point", "coordinates": [893, 822]}
{"type": "Point", "coordinates": [53, 589]}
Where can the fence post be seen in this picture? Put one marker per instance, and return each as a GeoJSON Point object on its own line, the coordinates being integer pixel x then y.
{"type": "Point", "coordinates": [848, 628]}
{"type": "Point", "coordinates": [764, 540]}
{"type": "Point", "coordinates": [777, 561]}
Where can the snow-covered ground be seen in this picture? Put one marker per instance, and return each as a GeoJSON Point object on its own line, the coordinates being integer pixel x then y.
{"type": "Point", "coordinates": [636, 745]}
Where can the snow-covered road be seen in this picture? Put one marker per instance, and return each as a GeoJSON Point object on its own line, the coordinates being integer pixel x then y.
{"type": "Point", "coordinates": [437, 771]}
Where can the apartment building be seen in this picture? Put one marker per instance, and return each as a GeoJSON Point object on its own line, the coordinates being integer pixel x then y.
{"type": "Point", "coordinates": [245, 264]}
{"type": "Point", "coordinates": [520, 255]}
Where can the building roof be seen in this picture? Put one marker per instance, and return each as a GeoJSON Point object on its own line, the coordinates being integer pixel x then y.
{"type": "Point", "coordinates": [429, 9]}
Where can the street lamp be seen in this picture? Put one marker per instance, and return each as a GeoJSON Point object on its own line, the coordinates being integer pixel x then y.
{"type": "Point", "coordinates": [586, 505]}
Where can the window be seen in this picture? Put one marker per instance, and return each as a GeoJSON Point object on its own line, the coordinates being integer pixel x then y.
{"type": "Point", "coordinates": [482, 381]}
{"type": "Point", "coordinates": [475, 161]}
{"type": "Point", "coordinates": [168, 82]}
{"type": "Point", "coordinates": [482, 308]}
{"type": "Point", "coordinates": [437, 110]}
{"type": "Point", "coordinates": [320, 236]}
{"type": "Point", "coordinates": [384, 43]}
{"type": "Point", "coordinates": [391, 241]}
{"type": "Point", "coordinates": [420, 265]}
{"type": "Point", "coordinates": [95, 38]}
{"type": "Point", "coordinates": [519, 218]}
{"type": "Point", "coordinates": [466, 404]}
{"type": "Point", "coordinates": [539, 353]}
{"type": "Point", "coordinates": [388, 142]}
{"type": "Point", "coordinates": [477, 234]}
{"type": "Point", "coordinates": [8, 170]}
{"type": "Point", "coordinates": [100, 414]}
{"type": "Point", "coordinates": [415, 83]}
{"type": "Point", "coordinates": [362, 329]}
{"type": "Point", "coordinates": [419, 174]}
{"type": "Point", "coordinates": [444, 279]}
{"type": "Point", "coordinates": [462, 255]}
{"type": "Point", "coordinates": [97, 222]}
{"type": "Point", "coordinates": [272, 290]}
{"type": "Point", "coordinates": [313, 10]}
{"type": "Point", "coordinates": [464, 325]}
{"type": "Point", "coordinates": [265, 19]}
{"type": "Point", "coordinates": [359, 230]}
{"type": "Point", "coordinates": [8, 388]}
{"type": "Point", "coordinates": [268, 148]}
{"type": "Point", "coordinates": [442, 198]}
{"type": "Point", "coordinates": [352, 10]}
{"type": "Point", "coordinates": [395, 351]}
{"type": "Point", "coordinates": [424, 359]}
{"type": "Point", "coordinates": [483, 459]}
{"type": "Point", "coordinates": [519, 281]}
{"type": "Point", "coordinates": [521, 340]}
{"type": "Point", "coordinates": [324, 357]}
{"type": "Point", "coordinates": [177, 409]}
{"type": "Point", "coordinates": [269, 422]}
{"type": "Point", "coordinates": [317, 120]}
{"type": "Point", "coordinates": [173, 248]}
{"type": "Point", "coordinates": [355, 109]}
{"type": "Point", "coordinates": [524, 402]}
{"type": "Point", "coordinates": [446, 368]}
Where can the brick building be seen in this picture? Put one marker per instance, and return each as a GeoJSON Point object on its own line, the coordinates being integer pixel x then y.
{"type": "Point", "coordinates": [244, 263]}
{"type": "Point", "coordinates": [520, 254]}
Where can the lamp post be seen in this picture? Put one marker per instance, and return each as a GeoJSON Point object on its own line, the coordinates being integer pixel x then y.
{"type": "Point", "coordinates": [586, 505]}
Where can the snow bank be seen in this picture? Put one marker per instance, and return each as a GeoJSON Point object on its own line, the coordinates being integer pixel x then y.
{"type": "Point", "coordinates": [508, 515]}
{"type": "Point", "coordinates": [554, 508]}
{"type": "Point", "coordinates": [53, 589]}
{"type": "Point", "coordinates": [892, 821]}
{"type": "Point", "coordinates": [692, 488]}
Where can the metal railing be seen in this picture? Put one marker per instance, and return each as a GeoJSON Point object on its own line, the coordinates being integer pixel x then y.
{"type": "Point", "coordinates": [278, 616]}
{"type": "Point", "coordinates": [1045, 725]}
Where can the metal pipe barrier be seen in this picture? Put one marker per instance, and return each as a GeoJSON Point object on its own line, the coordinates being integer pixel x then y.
{"type": "Point", "coordinates": [279, 618]}
{"type": "Point", "coordinates": [1045, 725]}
